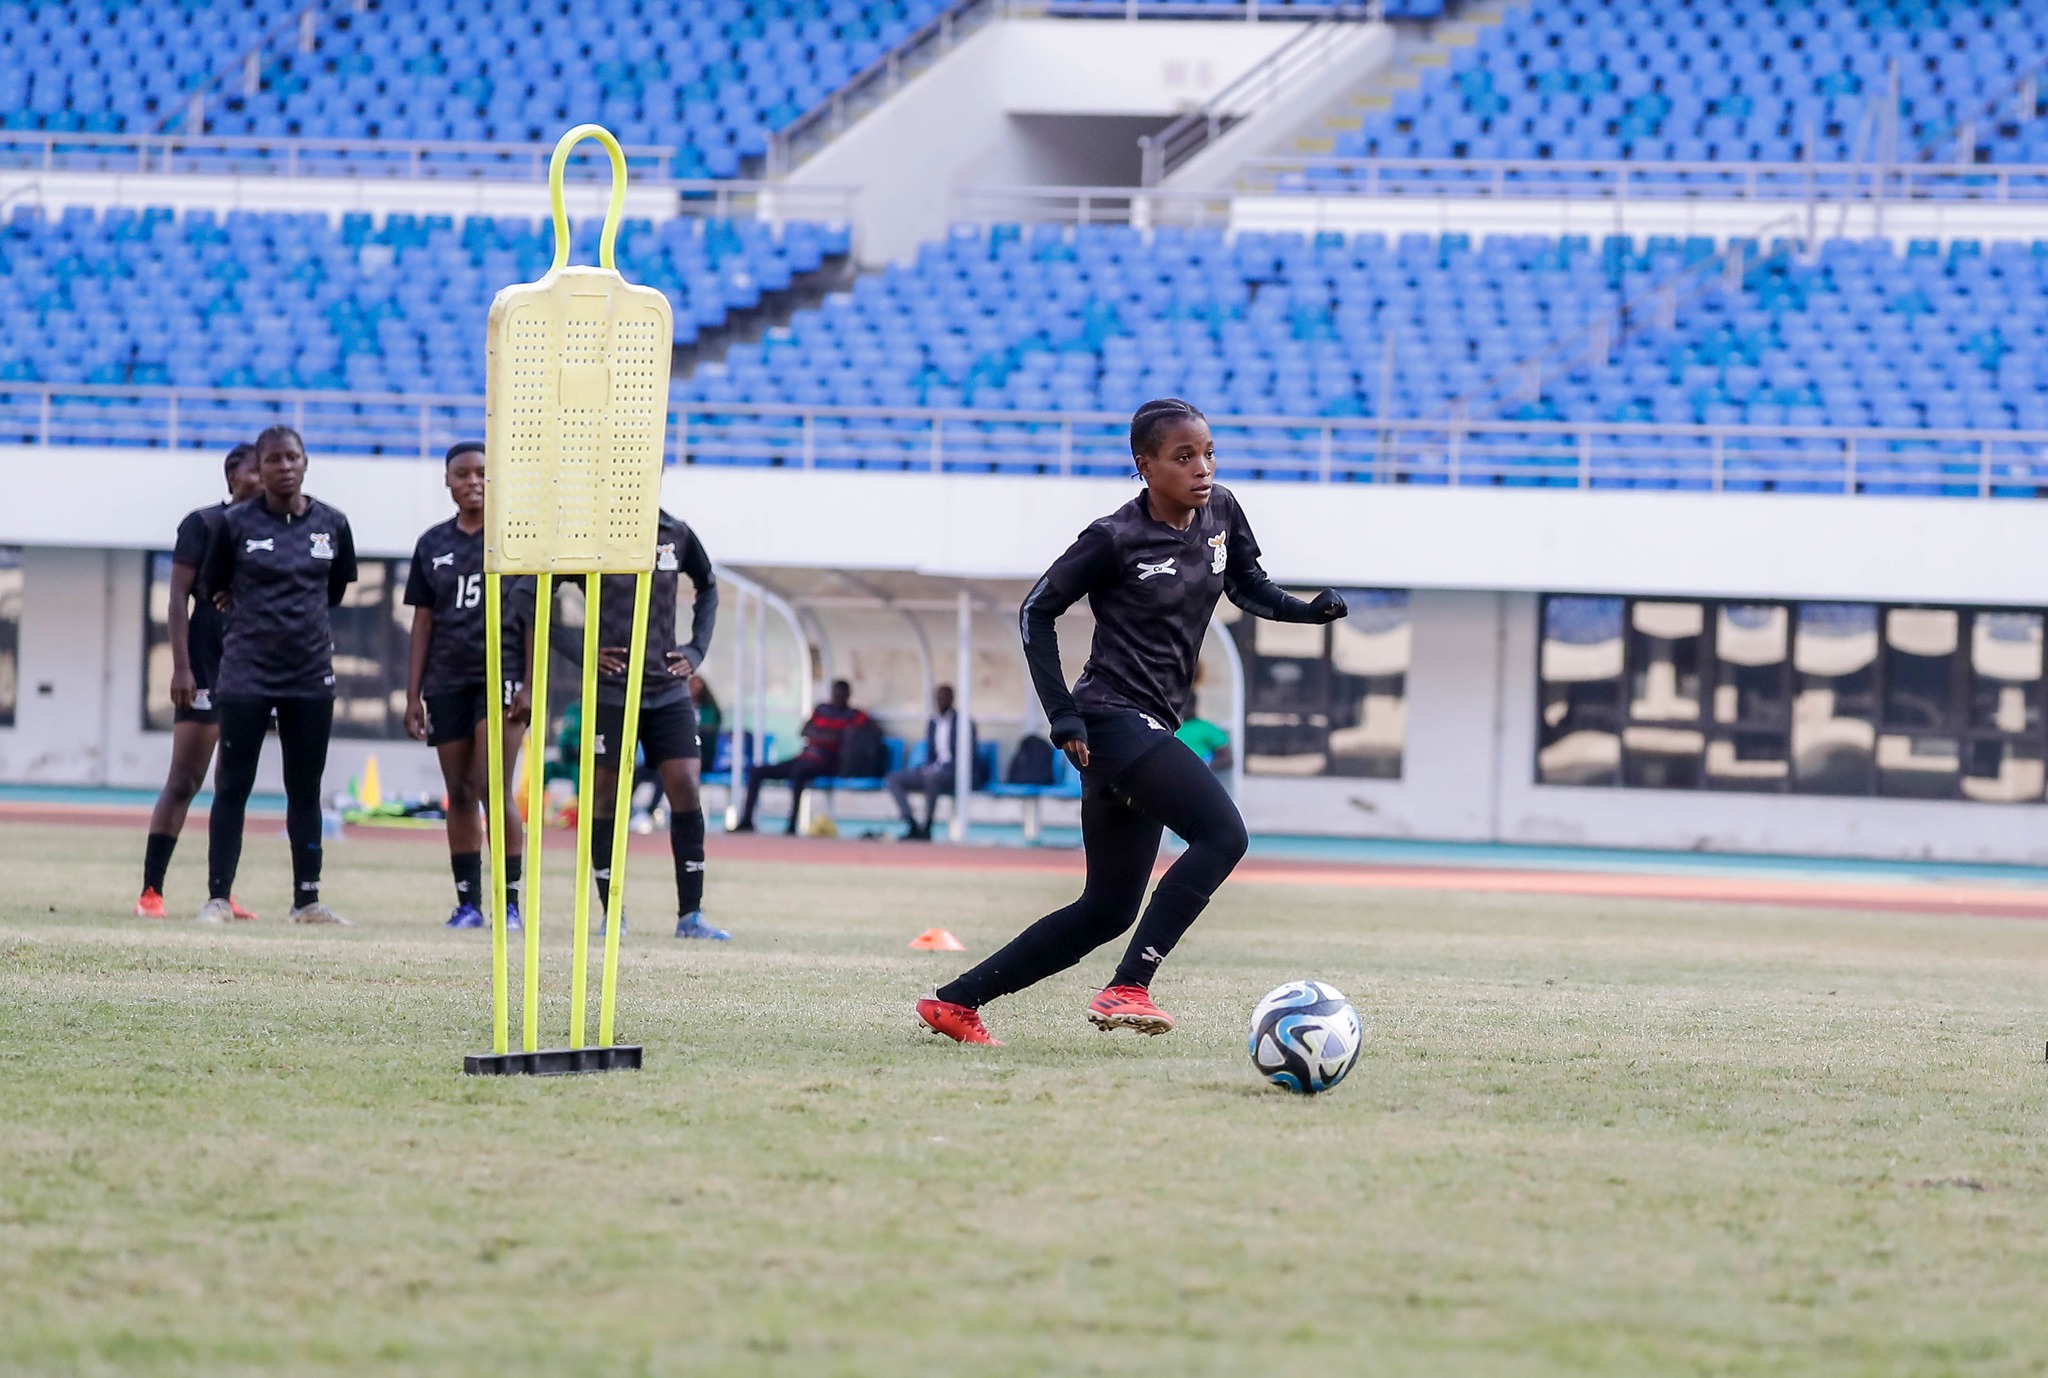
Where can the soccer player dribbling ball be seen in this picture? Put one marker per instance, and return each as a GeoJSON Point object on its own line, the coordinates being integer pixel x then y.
{"type": "Point", "coordinates": [446, 677]}
{"type": "Point", "coordinates": [195, 630]}
{"type": "Point", "coordinates": [1151, 571]}
{"type": "Point", "coordinates": [279, 564]}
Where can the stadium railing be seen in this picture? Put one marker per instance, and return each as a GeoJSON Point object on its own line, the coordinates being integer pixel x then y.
{"type": "Point", "coordinates": [1306, 54]}
{"type": "Point", "coordinates": [243, 155]}
{"type": "Point", "coordinates": [1431, 451]}
{"type": "Point", "coordinates": [1621, 179]}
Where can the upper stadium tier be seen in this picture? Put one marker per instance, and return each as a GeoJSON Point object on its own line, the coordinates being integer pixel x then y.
{"type": "Point", "coordinates": [1717, 81]}
{"type": "Point", "coordinates": [711, 78]}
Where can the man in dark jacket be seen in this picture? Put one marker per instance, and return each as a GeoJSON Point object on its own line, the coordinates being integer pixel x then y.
{"type": "Point", "coordinates": [936, 776]}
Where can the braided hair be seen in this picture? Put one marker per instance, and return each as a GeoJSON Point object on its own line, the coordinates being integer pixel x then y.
{"type": "Point", "coordinates": [237, 457]}
{"type": "Point", "coordinates": [281, 432]}
{"type": "Point", "coordinates": [1148, 419]}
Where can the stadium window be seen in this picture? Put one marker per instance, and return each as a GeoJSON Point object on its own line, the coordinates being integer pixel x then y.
{"type": "Point", "coordinates": [1328, 701]}
{"type": "Point", "coordinates": [1579, 738]}
{"type": "Point", "coordinates": [10, 632]}
{"type": "Point", "coordinates": [1808, 698]}
{"type": "Point", "coordinates": [370, 631]}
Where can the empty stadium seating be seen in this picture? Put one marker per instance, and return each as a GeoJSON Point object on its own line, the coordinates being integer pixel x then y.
{"type": "Point", "coordinates": [712, 79]}
{"type": "Point", "coordinates": [1725, 81]}
{"type": "Point", "coordinates": [282, 300]}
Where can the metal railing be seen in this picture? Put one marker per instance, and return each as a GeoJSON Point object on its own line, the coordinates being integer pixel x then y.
{"type": "Point", "coordinates": [1252, 11]}
{"type": "Point", "coordinates": [285, 156]}
{"type": "Point", "coordinates": [1622, 179]}
{"type": "Point", "coordinates": [1142, 207]}
{"type": "Point", "coordinates": [1443, 451]}
{"type": "Point", "coordinates": [875, 83]}
{"type": "Point", "coordinates": [1259, 86]}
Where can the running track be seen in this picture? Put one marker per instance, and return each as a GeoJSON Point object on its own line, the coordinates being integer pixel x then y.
{"type": "Point", "coordinates": [1846, 891]}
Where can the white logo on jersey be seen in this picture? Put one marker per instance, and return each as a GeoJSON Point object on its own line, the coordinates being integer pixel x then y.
{"type": "Point", "coordinates": [1218, 544]}
{"type": "Point", "coordinates": [1152, 722]}
{"type": "Point", "coordinates": [251, 547]}
{"type": "Point", "coordinates": [1146, 571]}
{"type": "Point", "coordinates": [665, 557]}
{"type": "Point", "coordinates": [597, 744]}
{"type": "Point", "coordinates": [323, 545]}
{"type": "Point", "coordinates": [440, 560]}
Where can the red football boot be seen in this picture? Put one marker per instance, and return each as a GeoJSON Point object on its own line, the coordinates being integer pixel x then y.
{"type": "Point", "coordinates": [957, 1022]}
{"type": "Point", "coordinates": [150, 906]}
{"type": "Point", "coordinates": [1128, 1007]}
{"type": "Point", "coordinates": [235, 906]}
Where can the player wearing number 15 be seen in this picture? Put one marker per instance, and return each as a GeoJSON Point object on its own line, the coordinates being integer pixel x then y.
{"type": "Point", "coordinates": [445, 682]}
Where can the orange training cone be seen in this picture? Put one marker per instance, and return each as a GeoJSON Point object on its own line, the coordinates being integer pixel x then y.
{"type": "Point", "coordinates": [937, 940]}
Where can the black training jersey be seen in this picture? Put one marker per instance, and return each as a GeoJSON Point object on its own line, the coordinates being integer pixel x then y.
{"type": "Point", "coordinates": [1153, 590]}
{"type": "Point", "coordinates": [678, 555]}
{"type": "Point", "coordinates": [447, 579]}
{"type": "Point", "coordinates": [207, 626]}
{"type": "Point", "coordinates": [283, 573]}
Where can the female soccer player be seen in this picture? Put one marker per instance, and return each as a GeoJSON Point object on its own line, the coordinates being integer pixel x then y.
{"type": "Point", "coordinates": [278, 564]}
{"type": "Point", "coordinates": [668, 717]}
{"type": "Point", "coordinates": [195, 633]}
{"type": "Point", "coordinates": [444, 690]}
{"type": "Point", "coordinates": [1151, 571]}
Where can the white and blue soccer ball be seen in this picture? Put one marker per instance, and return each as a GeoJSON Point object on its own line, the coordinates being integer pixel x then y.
{"type": "Point", "coordinates": [1305, 1036]}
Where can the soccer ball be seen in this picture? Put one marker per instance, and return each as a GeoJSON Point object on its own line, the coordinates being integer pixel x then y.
{"type": "Point", "coordinates": [1305, 1036]}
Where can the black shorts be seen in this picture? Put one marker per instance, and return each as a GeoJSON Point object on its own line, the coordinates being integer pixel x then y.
{"type": "Point", "coordinates": [1118, 738]}
{"type": "Point", "coordinates": [454, 715]}
{"type": "Point", "coordinates": [205, 660]}
{"type": "Point", "coordinates": [667, 733]}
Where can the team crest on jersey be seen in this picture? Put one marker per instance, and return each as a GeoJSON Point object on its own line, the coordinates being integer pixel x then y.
{"type": "Point", "coordinates": [665, 557]}
{"type": "Point", "coordinates": [250, 547]}
{"type": "Point", "coordinates": [1219, 552]}
{"type": "Point", "coordinates": [1146, 571]}
{"type": "Point", "coordinates": [323, 545]}
{"type": "Point", "coordinates": [440, 560]}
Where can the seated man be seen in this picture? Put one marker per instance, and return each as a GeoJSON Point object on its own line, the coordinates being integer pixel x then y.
{"type": "Point", "coordinates": [936, 776]}
{"type": "Point", "coordinates": [827, 726]}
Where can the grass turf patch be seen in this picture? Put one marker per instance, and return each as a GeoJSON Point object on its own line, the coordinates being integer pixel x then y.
{"type": "Point", "coordinates": [1587, 1137]}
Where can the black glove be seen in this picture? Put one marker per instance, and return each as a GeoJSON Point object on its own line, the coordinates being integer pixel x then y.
{"type": "Point", "coordinates": [1328, 605]}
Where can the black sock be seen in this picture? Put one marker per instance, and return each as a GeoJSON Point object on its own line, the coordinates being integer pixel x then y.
{"type": "Point", "coordinates": [305, 876]}
{"type": "Point", "coordinates": [515, 876]}
{"type": "Point", "coordinates": [156, 860]}
{"type": "Point", "coordinates": [601, 860]}
{"type": "Point", "coordinates": [1174, 908]}
{"type": "Point", "coordinates": [686, 842]}
{"type": "Point", "coordinates": [469, 877]}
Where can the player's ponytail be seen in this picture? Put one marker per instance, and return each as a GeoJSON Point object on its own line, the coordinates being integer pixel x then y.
{"type": "Point", "coordinates": [1145, 423]}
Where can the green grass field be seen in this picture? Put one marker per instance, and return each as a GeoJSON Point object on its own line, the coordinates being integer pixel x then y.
{"type": "Point", "coordinates": [1588, 1137]}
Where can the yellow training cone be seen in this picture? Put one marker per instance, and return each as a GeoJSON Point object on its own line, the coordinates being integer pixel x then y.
{"type": "Point", "coordinates": [373, 791]}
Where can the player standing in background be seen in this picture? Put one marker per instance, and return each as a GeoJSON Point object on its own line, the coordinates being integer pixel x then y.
{"type": "Point", "coordinates": [279, 563]}
{"type": "Point", "coordinates": [1151, 571]}
{"type": "Point", "coordinates": [668, 716]}
{"type": "Point", "coordinates": [444, 686]}
{"type": "Point", "coordinates": [195, 636]}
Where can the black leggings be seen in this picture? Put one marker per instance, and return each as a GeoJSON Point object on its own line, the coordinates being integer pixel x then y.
{"type": "Point", "coordinates": [303, 726]}
{"type": "Point", "coordinates": [798, 770]}
{"type": "Point", "coordinates": [1120, 825]}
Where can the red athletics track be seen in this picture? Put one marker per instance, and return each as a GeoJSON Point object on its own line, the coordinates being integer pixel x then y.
{"type": "Point", "coordinates": [1909, 897]}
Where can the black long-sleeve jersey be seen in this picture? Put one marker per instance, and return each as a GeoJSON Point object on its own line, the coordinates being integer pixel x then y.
{"type": "Point", "coordinates": [1153, 590]}
{"type": "Point", "coordinates": [678, 555]}
{"type": "Point", "coordinates": [282, 574]}
{"type": "Point", "coordinates": [207, 625]}
{"type": "Point", "coordinates": [447, 578]}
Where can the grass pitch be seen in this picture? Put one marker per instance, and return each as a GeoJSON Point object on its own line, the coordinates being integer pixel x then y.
{"type": "Point", "coordinates": [1588, 1137]}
